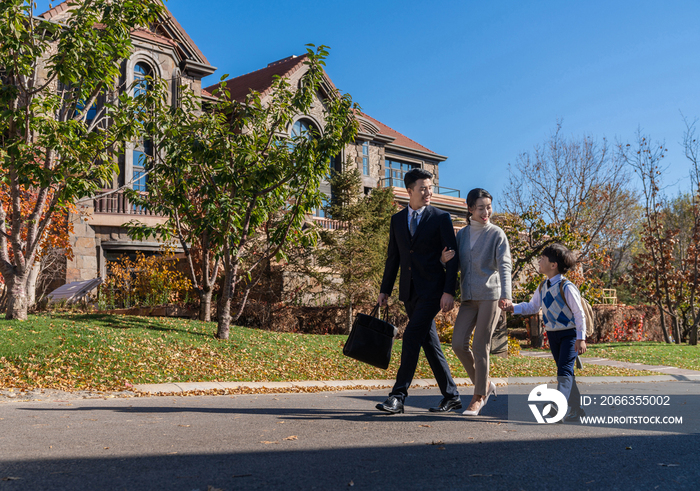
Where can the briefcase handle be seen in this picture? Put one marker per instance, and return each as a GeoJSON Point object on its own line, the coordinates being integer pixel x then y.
{"type": "Point", "coordinates": [377, 310]}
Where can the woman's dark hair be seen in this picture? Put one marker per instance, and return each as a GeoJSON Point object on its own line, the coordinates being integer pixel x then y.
{"type": "Point", "coordinates": [410, 178]}
{"type": "Point", "coordinates": [560, 254]}
{"type": "Point", "coordinates": [474, 195]}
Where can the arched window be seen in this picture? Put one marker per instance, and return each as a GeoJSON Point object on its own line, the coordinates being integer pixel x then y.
{"type": "Point", "coordinates": [143, 148]}
{"type": "Point", "coordinates": [302, 127]}
{"type": "Point", "coordinates": [141, 71]}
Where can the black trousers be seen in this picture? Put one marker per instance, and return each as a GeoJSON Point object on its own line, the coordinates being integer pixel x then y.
{"type": "Point", "coordinates": [421, 332]}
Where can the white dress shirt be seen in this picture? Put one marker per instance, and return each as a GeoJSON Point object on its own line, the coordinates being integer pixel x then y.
{"type": "Point", "coordinates": [410, 215]}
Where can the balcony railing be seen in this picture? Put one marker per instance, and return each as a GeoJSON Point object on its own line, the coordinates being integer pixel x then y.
{"type": "Point", "coordinates": [328, 224]}
{"type": "Point", "coordinates": [118, 204]}
{"type": "Point", "coordinates": [398, 183]}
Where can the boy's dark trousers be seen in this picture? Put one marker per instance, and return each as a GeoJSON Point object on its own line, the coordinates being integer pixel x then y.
{"type": "Point", "coordinates": [563, 346]}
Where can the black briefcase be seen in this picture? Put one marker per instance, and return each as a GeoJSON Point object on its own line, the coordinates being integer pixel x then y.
{"type": "Point", "coordinates": [371, 339]}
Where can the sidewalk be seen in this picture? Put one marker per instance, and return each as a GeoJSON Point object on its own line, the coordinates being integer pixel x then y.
{"type": "Point", "coordinates": [668, 374]}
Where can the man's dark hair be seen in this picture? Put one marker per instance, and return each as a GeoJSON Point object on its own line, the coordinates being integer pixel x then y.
{"type": "Point", "coordinates": [410, 178]}
{"type": "Point", "coordinates": [560, 254]}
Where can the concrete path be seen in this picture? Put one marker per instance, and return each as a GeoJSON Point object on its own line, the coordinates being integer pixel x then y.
{"type": "Point", "coordinates": [337, 440]}
{"type": "Point", "coordinates": [669, 374]}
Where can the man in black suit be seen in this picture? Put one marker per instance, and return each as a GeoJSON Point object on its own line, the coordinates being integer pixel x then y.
{"type": "Point", "coordinates": [418, 235]}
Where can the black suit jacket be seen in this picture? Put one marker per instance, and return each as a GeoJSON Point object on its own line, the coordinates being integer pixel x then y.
{"type": "Point", "coordinates": [419, 256]}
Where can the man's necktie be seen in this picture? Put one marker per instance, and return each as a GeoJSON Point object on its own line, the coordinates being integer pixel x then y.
{"type": "Point", "coordinates": [414, 223]}
{"type": "Point", "coordinates": [549, 284]}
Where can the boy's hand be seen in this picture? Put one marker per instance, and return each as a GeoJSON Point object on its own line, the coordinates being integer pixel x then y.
{"type": "Point", "coordinates": [580, 346]}
{"type": "Point", "coordinates": [447, 254]}
{"type": "Point", "coordinates": [505, 304]}
{"type": "Point", "coordinates": [383, 299]}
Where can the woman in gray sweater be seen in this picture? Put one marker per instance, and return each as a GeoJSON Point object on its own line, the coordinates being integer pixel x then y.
{"type": "Point", "coordinates": [485, 266]}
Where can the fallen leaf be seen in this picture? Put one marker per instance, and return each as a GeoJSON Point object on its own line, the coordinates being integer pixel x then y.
{"type": "Point", "coordinates": [426, 426]}
{"type": "Point", "coordinates": [106, 448]}
{"type": "Point", "coordinates": [11, 478]}
{"type": "Point", "coordinates": [439, 442]}
{"type": "Point", "coordinates": [628, 448]}
{"type": "Point", "coordinates": [410, 441]}
{"type": "Point", "coordinates": [292, 437]}
{"type": "Point", "coordinates": [268, 443]}
{"type": "Point", "coordinates": [185, 426]}
{"type": "Point", "coordinates": [351, 483]}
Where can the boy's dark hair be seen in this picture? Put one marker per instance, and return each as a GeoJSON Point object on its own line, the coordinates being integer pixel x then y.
{"type": "Point", "coordinates": [410, 178]}
{"type": "Point", "coordinates": [560, 254]}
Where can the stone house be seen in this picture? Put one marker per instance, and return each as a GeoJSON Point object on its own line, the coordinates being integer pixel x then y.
{"type": "Point", "coordinates": [167, 52]}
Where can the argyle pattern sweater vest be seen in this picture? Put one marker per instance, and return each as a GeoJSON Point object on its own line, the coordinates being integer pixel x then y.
{"type": "Point", "coordinates": [557, 316]}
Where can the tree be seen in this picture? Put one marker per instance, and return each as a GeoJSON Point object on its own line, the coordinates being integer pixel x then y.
{"type": "Point", "coordinates": [567, 191]}
{"type": "Point", "coordinates": [245, 168]}
{"type": "Point", "coordinates": [63, 118]}
{"type": "Point", "coordinates": [653, 269]}
{"type": "Point", "coordinates": [350, 260]}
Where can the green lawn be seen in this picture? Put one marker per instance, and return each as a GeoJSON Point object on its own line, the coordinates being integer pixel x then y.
{"type": "Point", "coordinates": [109, 352]}
{"type": "Point", "coordinates": [650, 353]}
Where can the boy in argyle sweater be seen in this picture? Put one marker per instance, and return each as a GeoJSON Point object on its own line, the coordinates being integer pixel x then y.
{"type": "Point", "coordinates": [564, 321]}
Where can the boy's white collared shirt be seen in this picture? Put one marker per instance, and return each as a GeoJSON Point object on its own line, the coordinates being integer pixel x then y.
{"type": "Point", "coordinates": [573, 300]}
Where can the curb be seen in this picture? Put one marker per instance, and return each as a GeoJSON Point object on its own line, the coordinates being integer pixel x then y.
{"type": "Point", "coordinates": [183, 387]}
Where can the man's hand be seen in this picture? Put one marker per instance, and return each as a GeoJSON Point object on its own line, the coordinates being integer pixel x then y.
{"type": "Point", "coordinates": [581, 346]}
{"type": "Point", "coordinates": [447, 302]}
{"type": "Point", "coordinates": [383, 299]}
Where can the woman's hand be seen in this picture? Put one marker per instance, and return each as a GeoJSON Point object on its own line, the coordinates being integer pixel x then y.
{"type": "Point", "coordinates": [505, 304]}
{"type": "Point", "coordinates": [447, 254]}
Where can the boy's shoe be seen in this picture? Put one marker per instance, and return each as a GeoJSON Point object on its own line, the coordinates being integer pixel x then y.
{"type": "Point", "coordinates": [574, 415]}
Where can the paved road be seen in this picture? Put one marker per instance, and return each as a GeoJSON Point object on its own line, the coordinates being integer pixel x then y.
{"type": "Point", "coordinates": [336, 440]}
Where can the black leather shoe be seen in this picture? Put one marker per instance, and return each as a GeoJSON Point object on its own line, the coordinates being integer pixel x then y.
{"type": "Point", "coordinates": [574, 415]}
{"type": "Point", "coordinates": [447, 405]}
{"type": "Point", "coordinates": [391, 405]}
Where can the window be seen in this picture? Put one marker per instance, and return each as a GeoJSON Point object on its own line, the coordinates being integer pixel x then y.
{"type": "Point", "coordinates": [141, 71]}
{"type": "Point", "coordinates": [321, 212]}
{"type": "Point", "coordinates": [365, 158]}
{"type": "Point", "coordinates": [91, 113]}
{"type": "Point", "coordinates": [394, 172]}
{"type": "Point", "coordinates": [140, 177]}
{"type": "Point", "coordinates": [302, 127]}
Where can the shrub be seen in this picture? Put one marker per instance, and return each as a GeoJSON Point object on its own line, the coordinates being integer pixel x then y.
{"type": "Point", "coordinates": [147, 281]}
{"type": "Point", "coordinates": [630, 329]}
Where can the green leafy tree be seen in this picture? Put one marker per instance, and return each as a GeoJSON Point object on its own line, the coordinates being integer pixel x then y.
{"type": "Point", "coordinates": [350, 260]}
{"type": "Point", "coordinates": [63, 116]}
{"type": "Point", "coordinates": [228, 173]}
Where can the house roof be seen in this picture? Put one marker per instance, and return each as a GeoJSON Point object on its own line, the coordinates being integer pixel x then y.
{"type": "Point", "coordinates": [260, 80]}
{"type": "Point", "coordinates": [400, 139]}
{"type": "Point", "coordinates": [64, 5]}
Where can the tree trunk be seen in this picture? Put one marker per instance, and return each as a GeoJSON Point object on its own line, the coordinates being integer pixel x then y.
{"type": "Point", "coordinates": [676, 330]}
{"type": "Point", "coordinates": [17, 302]}
{"type": "Point", "coordinates": [348, 323]}
{"type": "Point", "coordinates": [224, 312]}
{"type": "Point", "coordinates": [31, 283]}
{"type": "Point", "coordinates": [205, 304]}
{"type": "Point", "coordinates": [693, 338]}
{"type": "Point", "coordinates": [662, 320]}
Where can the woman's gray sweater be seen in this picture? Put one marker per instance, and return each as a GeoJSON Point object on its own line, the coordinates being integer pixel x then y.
{"type": "Point", "coordinates": [487, 267]}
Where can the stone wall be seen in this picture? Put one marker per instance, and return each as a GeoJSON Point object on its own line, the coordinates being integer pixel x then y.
{"type": "Point", "coordinates": [83, 266]}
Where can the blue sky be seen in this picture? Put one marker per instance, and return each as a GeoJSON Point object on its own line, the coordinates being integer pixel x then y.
{"type": "Point", "coordinates": [482, 81]}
